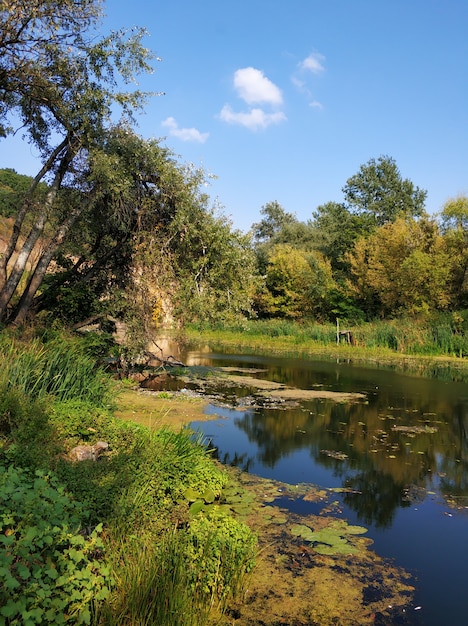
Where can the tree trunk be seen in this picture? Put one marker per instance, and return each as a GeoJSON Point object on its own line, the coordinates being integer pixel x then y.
{"type": "Point", "coordinates": [11, 284]}
{"type": "Point", "coordinates": [40, 270]}
{"type": "Point", "coordinates": [5, 259]}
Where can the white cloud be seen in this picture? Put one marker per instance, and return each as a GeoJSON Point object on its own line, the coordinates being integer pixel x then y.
{"type": "Point", "coordinates": [254, 87]}
{"type": "Point", "coordinates": [313, 63]}
{"type": "Point", "coordinates": [184, 134]}
{"type": "Point", "coordinates": [254, 119]}
{"type": "Point", "coordinates": [315, 104]}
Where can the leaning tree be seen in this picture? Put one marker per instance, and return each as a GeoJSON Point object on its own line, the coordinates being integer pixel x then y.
{"type": "Point", "coordinates": [60, 84]}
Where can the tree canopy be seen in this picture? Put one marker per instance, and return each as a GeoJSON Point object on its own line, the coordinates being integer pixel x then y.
{"type": "Point", "coordinates": [379, 193]}
{"type": "Point", "coordinates": [59, 80]}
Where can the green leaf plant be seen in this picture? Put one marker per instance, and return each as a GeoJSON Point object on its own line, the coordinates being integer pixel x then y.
{"type": "Point", "coordinates": [50, 572]}
{"type": "Point", "coordinates": [331, 540]}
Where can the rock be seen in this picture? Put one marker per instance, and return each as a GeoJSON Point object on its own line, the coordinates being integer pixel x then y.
{"type": "Point", "coordinates": [87, 453]}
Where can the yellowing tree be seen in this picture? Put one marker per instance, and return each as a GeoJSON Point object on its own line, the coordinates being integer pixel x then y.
{"type": "Point", "coordinates": [297, 283]}
{"type": "Point", "coordinates": [402, 266]}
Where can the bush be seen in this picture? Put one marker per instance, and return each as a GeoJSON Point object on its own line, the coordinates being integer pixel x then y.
{"type": "Point", "coordinates": [28, 438]}
{"type": "Point", "coordinates": [222, 551]}
{"type": "Point", "coordinates": [49, 572]}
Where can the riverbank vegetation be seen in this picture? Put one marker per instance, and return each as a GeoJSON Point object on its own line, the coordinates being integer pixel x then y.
{"type": "Point", "coordinates": [114, 234]}
{"type": "Point", "coordinates": [111, 541]}
{"type": "Point", "coordinates": [432, 345]}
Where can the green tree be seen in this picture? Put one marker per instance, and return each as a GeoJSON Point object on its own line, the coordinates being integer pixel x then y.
{"type": "Point", "coordinates": [276, 218]}
{"type": "Point", "coordinates": [60, 79]}
{"type": "Point", "coordinates": [148, 245]}
{"type": "Point", "coordinates": [454, 224]}
{"type": "Point", "coordinates": [335, 230]}
{"type": "Point", "coordinates": [278, 227]}
{"type": "Point", "coordinates": [214, 265]}
{"type": "Point", "coordinates": [380, 194]}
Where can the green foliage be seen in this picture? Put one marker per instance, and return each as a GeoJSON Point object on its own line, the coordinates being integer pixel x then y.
{"type": "Point", "coordinates": [60, 81]}
{"type": "Point", "coordinates": [334, 539]}
{"type": "Point", "coordinates": [215, 267]}
{"type": "Point", "coordinates": [296, 284]}
{"type": "Point", "coordinates": [401, 266]}
{"type": "Point", "coordinates": [59, 368]}
{"type": "Point", "coordinates": [154, 583]}
{"type": "Point", "coordinates": [27, 434]}
{"type": "Point", "coordinates": [454, 224]}
{"type": "Point", "coordinates": [223, 550]}
{"type": "Point", "coordinates": [49, 572]}
{"type": "Point", "coordinates": [275, 220]}
{"type": "Point", "coordinates": [381, 195]}
{"type": "Point", "coordinates": [13, 188]}
{"type": "Point", "coordinates": [335, 230]}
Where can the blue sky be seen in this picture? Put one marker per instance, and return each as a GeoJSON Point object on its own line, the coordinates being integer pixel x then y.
{"type": "Point", "coordinates": [285, 100]}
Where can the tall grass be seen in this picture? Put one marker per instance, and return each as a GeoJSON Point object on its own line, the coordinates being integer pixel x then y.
{"type": "Point", "coordinates": [152, 584]}
{"type": "Point", "coordinates": [186, 576]}
{"type": "Point", "coordinates": [444, 334]}
{"type": "Point", "coordinates": [60, 368]}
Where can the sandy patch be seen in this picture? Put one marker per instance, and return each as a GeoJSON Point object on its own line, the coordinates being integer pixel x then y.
{"type": "Point", "coordinates": [157, 410]}
{"type": "Point", "coordinates": [309, 394]}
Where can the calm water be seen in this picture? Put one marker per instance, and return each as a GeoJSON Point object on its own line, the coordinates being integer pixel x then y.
{"type": "Point", "coordinates": [403, 477]}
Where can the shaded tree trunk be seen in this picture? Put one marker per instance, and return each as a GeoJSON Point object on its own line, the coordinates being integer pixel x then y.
{"type": "Point", "coordinates": [5, 259]}
{"type": "Point", "coordinates": [40, 270]}
{"type": "Point", "coordinates": [11, 284]}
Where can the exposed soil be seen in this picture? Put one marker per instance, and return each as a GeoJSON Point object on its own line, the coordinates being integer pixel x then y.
{"type": "Point", "coordinates": [155, 410]}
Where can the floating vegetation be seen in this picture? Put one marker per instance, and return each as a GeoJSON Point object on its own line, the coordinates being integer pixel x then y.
{"type": "Point", "coordinates": [339, 456]}
{"type": "Point", "coordinates": [416, 430]}
{"type": "Point", "coordinates": [199, 501]}
{"type": "Point", "coordinates": [331, 540]}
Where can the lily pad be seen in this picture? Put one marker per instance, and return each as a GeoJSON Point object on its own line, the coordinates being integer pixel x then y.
{"type": "Point", "coordinates": [332, 539]}
{"type": "Point", "coordinates": [298, 530]}
{"type": "Point", "coordinates": [209, 496]}
{"type": "Point", "coordinates": [191, 495]}
{"type": "Point", "coordinates": [356, 530]}
{"type": "Point", "coordinates": [345, 548]}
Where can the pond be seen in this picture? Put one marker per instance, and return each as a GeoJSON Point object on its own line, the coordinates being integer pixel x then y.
{"type": "Point", "coordinates": [398, 458]}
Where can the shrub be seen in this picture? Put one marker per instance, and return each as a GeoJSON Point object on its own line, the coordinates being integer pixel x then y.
{"type": "Point", "coordinates": [49, 572]}
{"type": "Point", "coordinates": [222, 551]}
{"type": "Point", "coordinates": [27, 436]}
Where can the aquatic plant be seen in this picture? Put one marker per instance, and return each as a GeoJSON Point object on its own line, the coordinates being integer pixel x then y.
{"type": "Point", "coordinates": [331, 540]}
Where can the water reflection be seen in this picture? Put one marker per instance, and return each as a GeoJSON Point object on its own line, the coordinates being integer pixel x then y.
{"type": "Point", "coordinates": [401, 456]}
{"type": "Point", "coordinates": [410, 432]}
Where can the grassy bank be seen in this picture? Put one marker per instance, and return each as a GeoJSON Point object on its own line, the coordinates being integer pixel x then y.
{"type": "Point", "coordinates": [112, 541]}
{"type": "Point", "coordinates": [429, 346]}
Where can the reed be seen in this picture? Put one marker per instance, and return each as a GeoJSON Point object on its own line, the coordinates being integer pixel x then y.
{"type": "Point", "coordinates": [60, 368]}
{"type": "Point", "coordinates": [441, 334]}
{"type": "Point", "coordinates": [152, 583]}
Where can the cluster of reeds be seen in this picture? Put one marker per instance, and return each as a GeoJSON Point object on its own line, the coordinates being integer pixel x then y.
{"type": "Point", "coordinates": [60, 368]}
{"type": "Point", "coordinates": [439, 334]}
